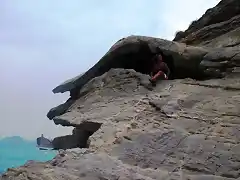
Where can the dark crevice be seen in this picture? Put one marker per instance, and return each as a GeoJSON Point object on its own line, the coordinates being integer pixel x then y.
{"type": "Point", "coordinates": [191, 168]}
{"type": "Point", "coordinates": [141, 61]}
{"type": "Point", "coordinates": [78, 139]}
{"type": "Point", "coordinates": [233, 45]}
{"type": "Point", "coordinates": [62, 108]}
{"type": "Point", "coordinates": [229, 88]}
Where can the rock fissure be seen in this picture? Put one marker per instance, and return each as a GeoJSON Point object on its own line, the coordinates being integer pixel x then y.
{"type": "Point", "coordinates": [79, 138]}
{"type": "Point", "coordinates": [229, 88]}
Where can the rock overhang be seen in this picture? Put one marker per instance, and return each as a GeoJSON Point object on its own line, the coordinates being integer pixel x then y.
{"type": "Point", "coordinates": [130, 52]}
{"type": "Point", "coordinates": [135, 52]}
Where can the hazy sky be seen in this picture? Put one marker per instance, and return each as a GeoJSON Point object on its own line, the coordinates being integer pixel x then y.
{"type": "Point", "coordinates": [45, 42]}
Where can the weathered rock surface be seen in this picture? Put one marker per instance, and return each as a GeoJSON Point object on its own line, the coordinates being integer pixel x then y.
{"type": "Point", "coordinates": [183, 128]}
{"type": "Point", "coordinates": [218, 27]}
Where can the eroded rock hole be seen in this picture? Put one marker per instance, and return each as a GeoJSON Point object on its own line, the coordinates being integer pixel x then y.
{"type": "Point", "coordinates": [141, 61]}
{"type": "Point", "coordinates": [78, 139]}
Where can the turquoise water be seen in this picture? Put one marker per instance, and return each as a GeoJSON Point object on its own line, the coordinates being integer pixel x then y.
{"type": "Point", "coordinates": [15, 151]}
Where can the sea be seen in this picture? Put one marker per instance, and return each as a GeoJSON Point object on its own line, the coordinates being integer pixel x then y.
{"type": "Point", "coordinates": [16, 151]}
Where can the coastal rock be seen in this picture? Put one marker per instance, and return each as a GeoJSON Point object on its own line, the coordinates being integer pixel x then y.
{"type": "Point", "coordinates": [182, 129]}
{"type": "Point", "coordinates": [135, 52]}
{"type": "Point", "coordinates": [198, 62]}
{"type": "Point", "coordinates": [60, 109]}
{"type": "Point", "coordinates": [79, 139]}
{"type": "Point", "coordinates": [218, 27]}
{"type": "Point", "coordinates": [185, 128]}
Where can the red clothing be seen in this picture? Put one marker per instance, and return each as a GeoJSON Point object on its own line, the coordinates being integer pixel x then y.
{"type": "Point", "coordinates": [160, 66]}
{"type": "Point", "coordinates": [158, 75]}
{"type": "Point", "coordinates": [160, 69]}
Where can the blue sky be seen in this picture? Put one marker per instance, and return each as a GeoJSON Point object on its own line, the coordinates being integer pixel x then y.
{"type": "Point", "coordinates": [43, 43]}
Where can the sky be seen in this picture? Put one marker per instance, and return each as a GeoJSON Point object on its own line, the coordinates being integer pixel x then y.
{"type": "Point", "coordinates": [43, 43]}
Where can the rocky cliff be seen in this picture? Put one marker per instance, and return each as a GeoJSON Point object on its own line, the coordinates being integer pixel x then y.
{"type": "Point", "coordinates": [185, 128]}
{"type": "Point", "coordinates": [218, 27]}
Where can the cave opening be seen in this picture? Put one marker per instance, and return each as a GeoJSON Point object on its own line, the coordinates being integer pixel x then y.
{"type": "Point", "coordinates": [141, 61]}
{"type": "Point", "coordinates": [79, 137]}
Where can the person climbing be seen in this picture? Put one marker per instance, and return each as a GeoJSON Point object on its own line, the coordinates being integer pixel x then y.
{"type": "Point", "coordinates": [160, 69]}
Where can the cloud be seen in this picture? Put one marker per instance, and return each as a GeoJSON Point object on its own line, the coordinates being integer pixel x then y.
{"type": "Point", "coordinates": [43, 43]}
{"type": "Point", "coordinates": [177, 15]}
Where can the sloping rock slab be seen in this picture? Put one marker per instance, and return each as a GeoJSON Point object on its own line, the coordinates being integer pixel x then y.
{"type": "Point", "coordinates": [229, 39]}
{"type": "Point", "coordinates": [216, 21]}
{"type": "Point", "coordinates": [156, 155]}
{"type": "Point", "coordinates": [182, 129]}
{"type": "Point", "coordinates": [205, 35]}
{"type": "Point", "coordinates": [108, 91]}
{"type": "Point", "coordinates": [100, 166]}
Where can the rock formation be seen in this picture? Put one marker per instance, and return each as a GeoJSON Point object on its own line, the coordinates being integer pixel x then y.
{"type": "Point", "coordinates": [218, 27]}
{"type": "Point", "coordinates": [184, 128]}
{"type": "Point", "coordinates": [79, 139]}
